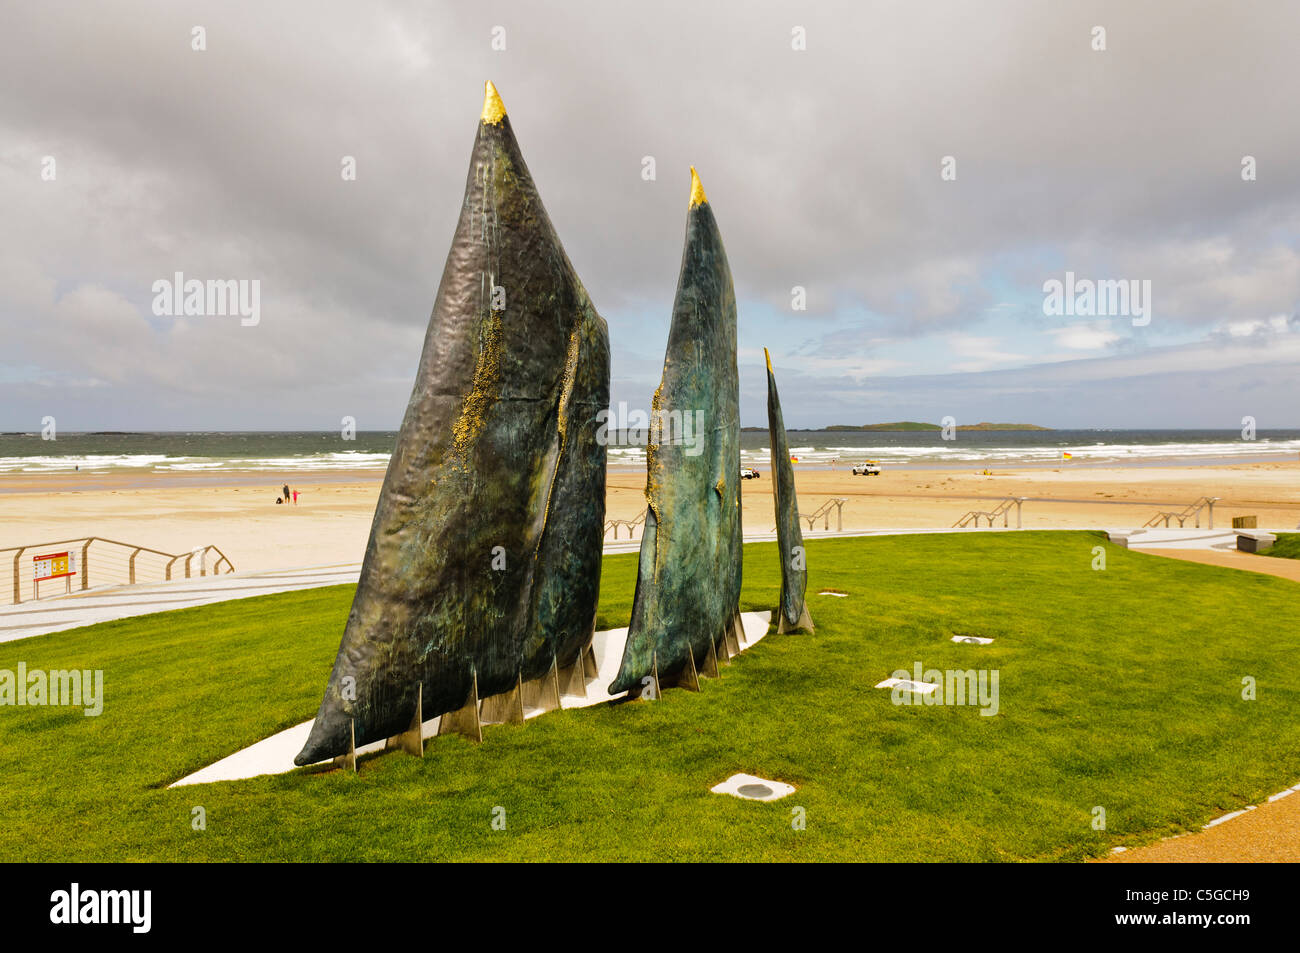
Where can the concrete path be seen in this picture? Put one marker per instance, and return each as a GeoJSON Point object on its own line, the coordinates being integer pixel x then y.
{"type": "Point", "coordinates": [1183, 539]}
{"type": "Point", "coordinates": [1231, 559]}
{"type": "Point", "coordinates": [39, 617]}
{"type": "Point", "coordinates": [57, 613]}
{"type": "Point", "coordinates": [274, 755]}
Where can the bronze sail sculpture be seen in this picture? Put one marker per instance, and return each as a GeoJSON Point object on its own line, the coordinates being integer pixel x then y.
{"type": "Point", "coordinates": [483, 564]}
{"type": "Point", "coordinates": [688, 582]}
{"type": "Point", "coordinates": [792, 614]}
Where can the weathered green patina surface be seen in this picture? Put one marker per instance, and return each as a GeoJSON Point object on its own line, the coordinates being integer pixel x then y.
{"type": "Point", "coordinates": [484, 555]}
{"type": "Point", "coordinates": [789, 537]}
{"type": "Point", "coordinates": [688, 583]}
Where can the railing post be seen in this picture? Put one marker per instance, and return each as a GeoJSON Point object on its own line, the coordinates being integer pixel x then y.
{"type": "Point", "coordinates": [85, 564]}
{"type": "Point", "coordinates": [187, 565]}
{"type": "Point", "coordinates": [18, 577]}
{"type": "Point", "coordinates": [131, 564]}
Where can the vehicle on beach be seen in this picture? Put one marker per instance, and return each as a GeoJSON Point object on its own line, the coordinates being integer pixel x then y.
{"type": "Point", "coordinates": [866, 468]}
{"type": "Point", "coordinates": [748, 473]}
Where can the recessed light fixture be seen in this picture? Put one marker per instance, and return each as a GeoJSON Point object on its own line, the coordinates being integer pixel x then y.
{"type": "Point", "coordinates": [750, 788]}
{"type": "Point", "coordinates": [907, 685]}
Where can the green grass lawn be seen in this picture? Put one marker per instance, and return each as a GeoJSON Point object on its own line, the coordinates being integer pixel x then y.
{"type": "Point", "coordinates": [1287, 546]}
{"type": "Point", "coordinates": [1119, 688]}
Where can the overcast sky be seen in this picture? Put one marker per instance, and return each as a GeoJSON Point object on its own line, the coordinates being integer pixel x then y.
{"type": "Point", "coordinates": [924, 294]}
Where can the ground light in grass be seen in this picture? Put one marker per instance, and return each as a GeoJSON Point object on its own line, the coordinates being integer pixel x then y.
{"type": "Point", "coordinates": [907, 685]}
{"type": "Point", "coordinates": [752, 788]}
{"type": "Point", "coordinates": [972, 640]}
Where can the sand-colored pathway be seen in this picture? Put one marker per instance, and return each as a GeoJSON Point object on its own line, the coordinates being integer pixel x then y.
{"type": "Point", "coordinates": [1270, 565]}
{"type": "Point", "coordinates": [1269, 833]}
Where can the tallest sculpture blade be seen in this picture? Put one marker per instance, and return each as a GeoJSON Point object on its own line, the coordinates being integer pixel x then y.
{"type": "Point", "coordinates": [483, 564]}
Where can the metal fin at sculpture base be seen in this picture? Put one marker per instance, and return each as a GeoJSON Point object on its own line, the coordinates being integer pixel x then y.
{"type": "Point", "coordinates": [483, 564]}
{"type": "Point", "coordinates": [412, 739]}
{"type": "Point", "coordinates": [793, 610]}
{"type": "Point", "coordinates": [464, 720]}
{"type": "Point", "coordinates": [686, 676]}
{"type": "Point", "coordinates": [347, 759]}
{"type": "Point", "coordinates": [710, 669]}
{"type": "Point", "coordinates": [572, 680]}
{"type": "Point", "coordinates": [544, 692]}
{"type": "Point", "coordinates": [506, 708]}
{"type": "Point", "coordinates": [688, 577]}
{"type": "Point", "coordinates": [803, 624]}
{"type": "Point", "coordinates": [735, 634]}
{"type": "Point", "coordinates": [724, 650]}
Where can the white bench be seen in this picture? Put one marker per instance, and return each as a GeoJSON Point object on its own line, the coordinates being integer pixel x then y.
{"type": "Point", "coordinates": [1254, 541]}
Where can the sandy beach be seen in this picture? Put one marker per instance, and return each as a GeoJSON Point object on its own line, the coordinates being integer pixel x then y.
{"type": "Point", "coordinates": [331, 522]}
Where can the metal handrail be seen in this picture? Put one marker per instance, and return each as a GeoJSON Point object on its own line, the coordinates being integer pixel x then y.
{"type": "Point", "coordinates": [1188, 512]}
{"type": "Point", "coordinates": [823, 512]}
{"type": "Point", "coordinates": [1003, 509]}
{"type": "Point", "coordinates": [130, 564]}
{"type": "Point", "coordinates": [614, 524]}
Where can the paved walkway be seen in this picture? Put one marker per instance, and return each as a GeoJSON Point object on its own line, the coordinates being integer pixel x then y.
{"type": "Point", "coordinates": [1268, 833]}
{"type": "Point", "coordinates": [1251, 562]}
{"type": "Point", "coordinates": [54, 614]}
{"type": "Point", "coordinates": [40, 617]}
{"type": "Point", "coordinates": [57, 613]}
{"type": "Point", "coordinates": [1183, 539]}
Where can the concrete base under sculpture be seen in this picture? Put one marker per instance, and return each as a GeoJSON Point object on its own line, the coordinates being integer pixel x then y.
{"type": "Point", "coordinates": [274, 755]}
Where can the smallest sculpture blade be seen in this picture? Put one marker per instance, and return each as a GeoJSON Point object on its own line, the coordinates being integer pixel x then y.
{"type": "Point", "coordinates": [789, 537]}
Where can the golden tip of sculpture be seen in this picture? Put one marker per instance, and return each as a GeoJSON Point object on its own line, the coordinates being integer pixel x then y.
{"type": "Point", "coordinates": [697, 191]}
{"type": "Point", "coordinates": [494, 110]}
{"type": "Point", "coordinates": [769, 360]}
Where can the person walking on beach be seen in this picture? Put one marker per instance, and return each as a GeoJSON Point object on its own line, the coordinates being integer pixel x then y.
{"type": "Point", "coordinates": [286, 493]}
{"type": "Point", "coordinates": [295, 497]}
